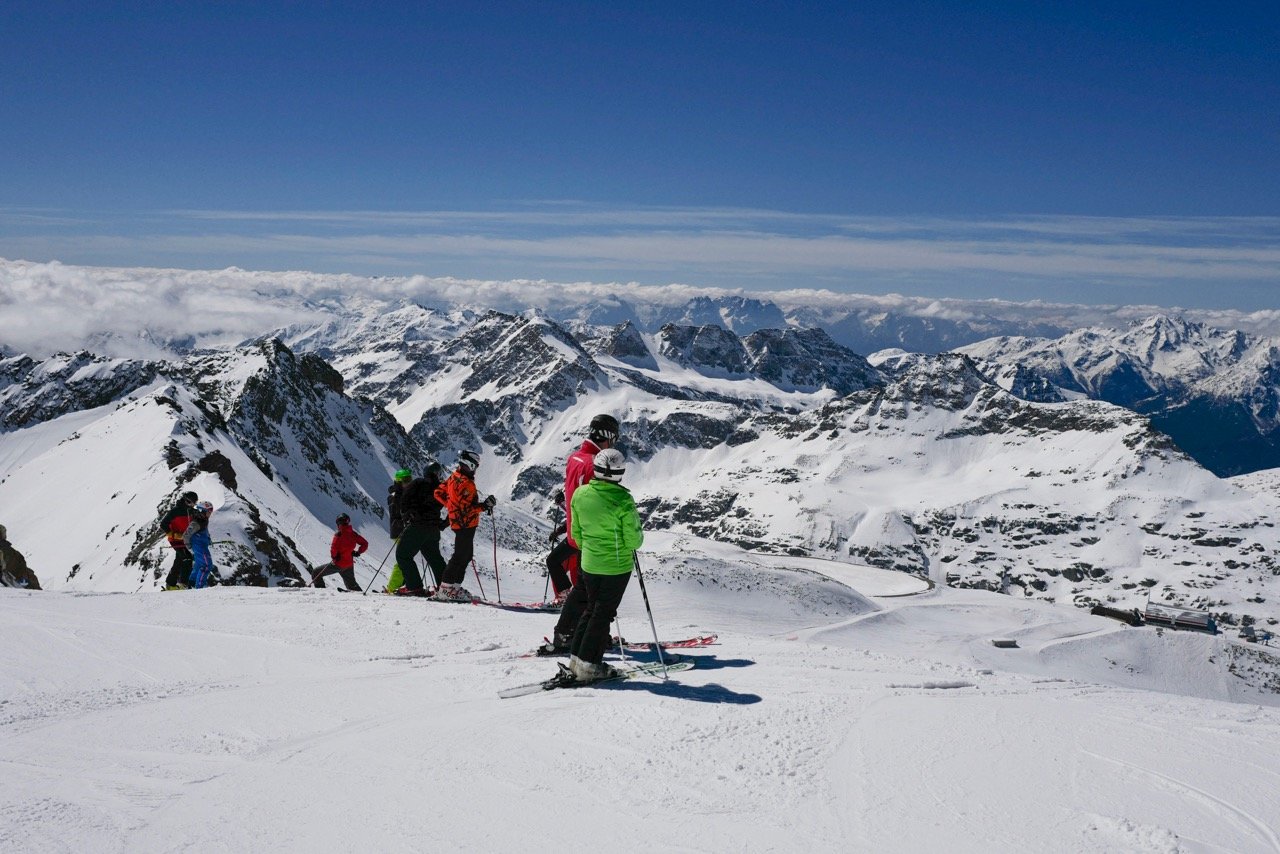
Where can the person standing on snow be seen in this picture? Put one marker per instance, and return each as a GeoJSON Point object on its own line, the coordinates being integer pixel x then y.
{"type": "Point", "coordinates": [606, 526]}
{"type": "Point", "coordinates": [602, 434]}
{"type": "Point", "coordinates": [395, 498]}
{"type": "Point", "coordinates": [347, 545]}
{"type": "Point", "coordinates": [459, 497]}
{"type": "Point", "coordinates": [197, 539]}
{"type": "Point", "coordinates": [563, 558]}
{"type": "Point", "coordinates": [174, 524]}
{"type": "Point", "coordinates": [421, 534]}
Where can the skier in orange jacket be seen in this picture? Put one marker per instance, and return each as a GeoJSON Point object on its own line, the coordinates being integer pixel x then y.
{"type": "Point", "coordinates": [461, 501]}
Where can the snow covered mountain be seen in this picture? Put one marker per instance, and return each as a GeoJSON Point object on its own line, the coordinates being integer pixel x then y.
{"type": "Point", "coordinates": [786, 442]}
{"type": "Point", "coordinates": [94, 451]}
{"type": "Point", "coordinates": [993, 471]}
{"type": "Point", "coordinates": [1216, 392]}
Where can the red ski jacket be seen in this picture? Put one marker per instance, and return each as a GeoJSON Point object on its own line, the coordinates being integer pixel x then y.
{"type": "Point", "coordinates": [346, 547]}
{"type": "Point", "coordinates": [580, 468]}
{"type": "Point", "coordinates": [175, 524]}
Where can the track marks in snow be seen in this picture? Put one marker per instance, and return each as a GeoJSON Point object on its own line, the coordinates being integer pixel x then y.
{"type": "Point", "coordinates": [23, 714]}
{"type": "Point", "coordinates": [1212, 802]}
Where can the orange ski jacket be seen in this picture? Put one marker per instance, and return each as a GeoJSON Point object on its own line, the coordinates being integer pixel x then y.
{"type": "Point", "coordinates": [458, 495]}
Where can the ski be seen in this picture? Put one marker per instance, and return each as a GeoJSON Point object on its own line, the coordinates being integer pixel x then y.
{"type": "Point", "coordinates": [524, 607]}
{"type": "Point", "coordinates": [558, 681]}
{"type": "Point", "coordinates": [685, 643]}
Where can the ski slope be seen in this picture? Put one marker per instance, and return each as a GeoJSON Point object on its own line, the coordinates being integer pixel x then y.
{"type": "Point", "coordinates": [236, 719]}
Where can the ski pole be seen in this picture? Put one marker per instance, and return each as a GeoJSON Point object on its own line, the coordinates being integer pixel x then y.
{"type": "Point", "coordinates": [635, 558]}
{"type": "Point", "coordinates": [476, 569]}
{"type": "Point", "coordinates": [379, 570]}
{"type": "Point", "coordinates": [546, 588]}
{"type": "Point", "coordinates": [622, 644]}
{"type": "Point", "coordinates": [493, 523]}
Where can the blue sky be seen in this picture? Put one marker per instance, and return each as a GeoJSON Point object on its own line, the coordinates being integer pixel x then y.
{"type": "Point", "coordinates": [1070, 151]}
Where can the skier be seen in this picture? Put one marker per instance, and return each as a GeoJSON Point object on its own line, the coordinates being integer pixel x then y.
{"type": "Point", "coordinates": [602, 434]}
{"type": "Point", "coordinates": [197, 540]}
{"type": "Point", "coordinates": [174, 524]}
{"type": "Point", "coordinates": [421, 533]}
{"type": "Point", "coordinates": [459, 497]}
{"type": "Point", "coordinates": [395, 495]}
{"type": "Point", "coordinates": [562, 560]}
{"type": "Point", "coordinates": [347, 545]}
{"type": "Point", "coordinates": [606, 527]}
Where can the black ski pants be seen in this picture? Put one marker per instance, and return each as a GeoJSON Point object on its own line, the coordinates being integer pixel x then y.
{"type": "Point", "coordinates": [571, 611]}
{"type": "Point", "coordinates": [419, 540]}
{"type": "Point", "coordinates": [555, 564]}
{"type": "Point", "coordinates": [464, 549]}
{"type": "Point", "coordinates": [348, 576]}
{"type": "Point", "coordinates": [181, 569]}
{"type": "Point", "coordinates": [604, 595]}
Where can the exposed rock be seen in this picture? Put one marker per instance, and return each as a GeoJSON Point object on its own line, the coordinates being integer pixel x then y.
{"type": "Point", "coordinates": [14, 571]}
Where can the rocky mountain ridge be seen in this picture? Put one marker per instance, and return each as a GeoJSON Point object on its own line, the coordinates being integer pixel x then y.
{"type": "Point", "coordinates": [1217, 392]}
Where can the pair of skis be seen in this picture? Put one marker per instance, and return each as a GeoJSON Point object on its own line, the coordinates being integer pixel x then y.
{"type": "Point", "coordinates": [656, 668]}
{"type": "Point", "coordinates": [685, 643]}
{"type": "Point", "coordinates": [560, 680]}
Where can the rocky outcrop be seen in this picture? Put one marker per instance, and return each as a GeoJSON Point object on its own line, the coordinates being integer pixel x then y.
{"type": "Point", "coordinates": [32, 392]}
{"type": "Point", "coordinates": [14, 571]}
{"type": "Point", "coordinates": [625, 344]}
{"type": "Point", "coordinates": [807, 360]}
{"type": "Point", "coordinates": [707, 349]}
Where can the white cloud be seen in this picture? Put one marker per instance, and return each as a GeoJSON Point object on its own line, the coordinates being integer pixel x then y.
{"type": "Point", "coordinates": [552, 255]}
{"type": "Point", "coordinates": [52, 306]}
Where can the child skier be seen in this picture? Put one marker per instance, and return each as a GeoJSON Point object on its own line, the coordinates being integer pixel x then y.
{"type": "Point", "coordinates": [347, 545]}
{"type": "Point", "coordinates": [606, 527]}
{"type": "Point", "coordinates": [197, 539]}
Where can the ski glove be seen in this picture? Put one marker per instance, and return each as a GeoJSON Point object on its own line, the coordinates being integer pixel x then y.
{"type": "Point", "coordinates": [488, 504]}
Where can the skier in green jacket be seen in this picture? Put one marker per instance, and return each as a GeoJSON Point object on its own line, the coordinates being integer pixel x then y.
{"type": "Point", "coordinates": [606, 528]}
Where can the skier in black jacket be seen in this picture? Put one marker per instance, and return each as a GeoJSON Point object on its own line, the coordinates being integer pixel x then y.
{"type": "Point", "coordinates": [395, 495]}
{"type": "Point", "coordinates": [423, 521]}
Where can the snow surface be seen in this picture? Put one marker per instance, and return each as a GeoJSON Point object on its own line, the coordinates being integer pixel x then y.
{"type": "Point", "coordinates": [234, 719]}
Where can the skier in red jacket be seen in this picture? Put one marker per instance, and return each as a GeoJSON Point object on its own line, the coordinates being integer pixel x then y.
{"type": "Point", "coordinates": [347, 545]}
{"type": "Point", "coordinates": [602, 433]}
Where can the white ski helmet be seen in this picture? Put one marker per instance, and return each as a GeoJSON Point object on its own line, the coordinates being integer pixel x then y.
{"type": "Point", "coordinates": [610, 465]}
{"type": "Point", "coordinates": [470, 459]}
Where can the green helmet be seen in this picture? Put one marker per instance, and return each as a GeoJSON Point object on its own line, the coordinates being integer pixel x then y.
{"type": "Point", "coordinates": [404, 474]}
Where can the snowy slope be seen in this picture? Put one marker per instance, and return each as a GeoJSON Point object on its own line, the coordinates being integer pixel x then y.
{"type": "Point", "coordinates": [267, 719]}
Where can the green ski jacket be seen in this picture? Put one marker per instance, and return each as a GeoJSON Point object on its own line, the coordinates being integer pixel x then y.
{"type": "Point", "coordinates": [606, 527]}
